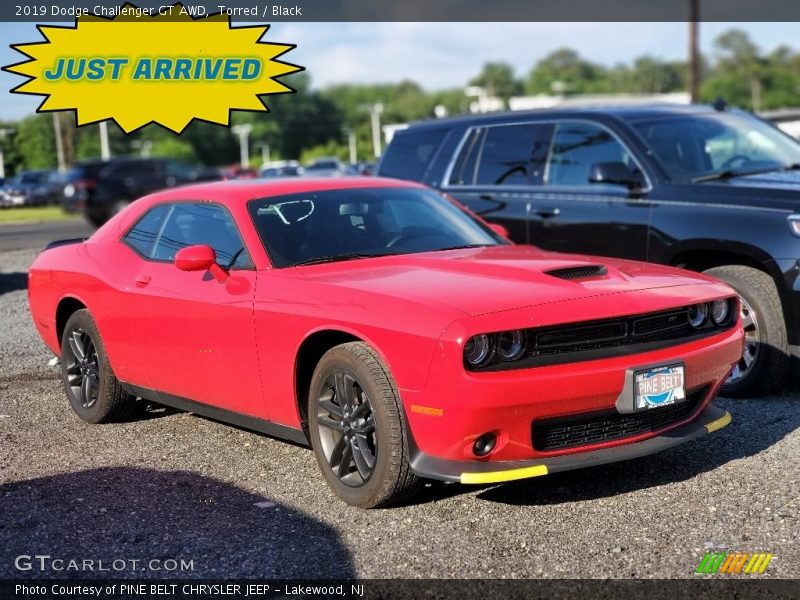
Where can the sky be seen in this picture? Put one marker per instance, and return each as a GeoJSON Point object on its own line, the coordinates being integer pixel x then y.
{"type": "Point", "coordinates": [441, 55]}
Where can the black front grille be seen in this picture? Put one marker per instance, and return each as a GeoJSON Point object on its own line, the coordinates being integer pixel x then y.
{"type": "Point", "coordinates": [605, 338]}
{"type": "Point", "coordinates": [593, 428]}
{"type": "Point", "coordinates": [581, 272]}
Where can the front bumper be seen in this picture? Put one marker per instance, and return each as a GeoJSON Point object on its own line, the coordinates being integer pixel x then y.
{"type": "Point", "coordinates": [709, 420]}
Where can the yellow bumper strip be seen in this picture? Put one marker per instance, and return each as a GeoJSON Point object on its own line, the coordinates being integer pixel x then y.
{"type": "Point", "coordinates": [723, 421]}
{"type": "Point", "coordinates": [499, 476]}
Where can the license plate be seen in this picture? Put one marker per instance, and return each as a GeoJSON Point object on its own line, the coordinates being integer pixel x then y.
{"type": "Point", "coordinates": [660, 386]}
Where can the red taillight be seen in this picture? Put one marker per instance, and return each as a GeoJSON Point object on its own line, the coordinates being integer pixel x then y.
{"type": "Point", "coordinates": [85, 184]}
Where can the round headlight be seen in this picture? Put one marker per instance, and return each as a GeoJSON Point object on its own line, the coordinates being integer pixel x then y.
{"type": "Point", "coordinates": [478, 350]}
{"type": "Point", "coordinates": [511, 344]}
{"type": "Point", "coordinates": [720, 311]}
{"type": "Point", "coordinates": [698, 314]}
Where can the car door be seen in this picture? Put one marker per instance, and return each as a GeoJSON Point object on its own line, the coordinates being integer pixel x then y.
{"type": "Point", "coordinates": [496, 171]}
{"type": "Point", "coordinates": [569, 213]}
{"type": "Point", "coordinates": [195, 334]}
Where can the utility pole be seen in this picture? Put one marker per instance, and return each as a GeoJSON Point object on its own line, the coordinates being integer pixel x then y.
{"type": "Point", "coordinates": [375, 116]}
{"type": "Point", "coordinates": [243, 131]}
{"type": "Point", "coordinates": [59, 143]}
{"type": "Point", "coordinates": [3, 134]}
{"type": "Point", "coordinates": [694, 52]}
{"type": "Point", "coordinates": [351, 143]}
{"type": "Point", "coordinates": [105, 149]}
{"type": "Point", "coordinates": [265, 154]}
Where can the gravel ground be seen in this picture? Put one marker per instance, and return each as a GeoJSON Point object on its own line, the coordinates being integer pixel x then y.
{"type": "Point", "coordinates": [170, 485]}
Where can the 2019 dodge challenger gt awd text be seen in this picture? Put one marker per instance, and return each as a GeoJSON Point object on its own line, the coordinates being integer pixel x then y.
{"type": "Point", "coordinates": [396, 333]}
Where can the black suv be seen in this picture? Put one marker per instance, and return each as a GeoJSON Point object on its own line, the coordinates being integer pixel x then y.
{"type": "Point", "coordinates": [699, 187]}
{"type": "Point", "coordinates": [100, 189]}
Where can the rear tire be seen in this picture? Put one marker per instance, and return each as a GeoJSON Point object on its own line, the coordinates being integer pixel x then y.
{"type": "Point", "coordinates": [765, 363]}
{"type": "Point", "coordinates": [358, 430]}
{"type": "Point", "coordinates": [94, 393]}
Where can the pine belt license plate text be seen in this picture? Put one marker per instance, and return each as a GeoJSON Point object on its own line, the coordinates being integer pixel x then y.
{"type": "Point", "coordinates": [659, 386]}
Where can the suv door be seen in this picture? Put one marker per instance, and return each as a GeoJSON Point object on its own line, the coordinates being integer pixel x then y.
{"type": "Point", "coordinates": [497, 169]}
{"type": "Point", "coordinates": [569, 213]}
{"type": "Point", "coordinates": [195, 335]}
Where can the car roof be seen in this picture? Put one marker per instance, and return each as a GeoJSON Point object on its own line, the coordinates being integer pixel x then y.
{"type": "Point", "coordinates": [626, 112]}
{"type": "Point", "coordinates": [242, 190]}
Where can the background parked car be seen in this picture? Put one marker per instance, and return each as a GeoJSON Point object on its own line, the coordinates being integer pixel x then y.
{"type": "Point", "coordinates": [100, 189]}
{"type": "Point", "coordinates": [327, 167]}
{"type": "Point", "coordinates": [48, 191]}
{"type": "Point", "coordinates": [18, 190]}
{"type": "Point", "coordinates": [699, 187]}
{"type": "Point", "coordinates": [238, 172]}
{"type": "Point", "coordinates": [281, 168]}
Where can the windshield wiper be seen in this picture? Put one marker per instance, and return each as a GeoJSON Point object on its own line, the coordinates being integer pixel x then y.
{"type": "Point", "coordinates": [335, 258]}
{"type": "Point", "coordinates": [729, 174]}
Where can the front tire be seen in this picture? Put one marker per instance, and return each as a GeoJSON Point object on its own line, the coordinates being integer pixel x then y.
{"type": "Point", "coordinates": [94, 393]}
{"type": "Point", "coordinates": [357, 428]}
{"type": "Point", "coordinates": [765, 363]}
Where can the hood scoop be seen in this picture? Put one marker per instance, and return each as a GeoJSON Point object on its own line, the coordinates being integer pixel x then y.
{"type": "Point", "coordinates": [577, 272]}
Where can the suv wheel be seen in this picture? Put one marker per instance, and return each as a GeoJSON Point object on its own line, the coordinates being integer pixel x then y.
{"type": "Point", "coordinates": [357, 428]}
{"type": "Point", "coordinates": [764, 365]}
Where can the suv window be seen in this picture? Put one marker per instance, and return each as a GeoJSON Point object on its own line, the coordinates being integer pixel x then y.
{"type": "Point", "coordinates": [576, 147]}
{"type": "Point", "coordinates": [513, 154]}
{"type": "Point", "coordinates": [409, 154]}
{"type": "Point", "coordinates": [165, 229]}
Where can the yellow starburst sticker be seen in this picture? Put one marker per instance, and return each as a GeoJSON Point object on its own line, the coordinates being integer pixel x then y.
{"type": "Point", "coordinates": [166, 69]}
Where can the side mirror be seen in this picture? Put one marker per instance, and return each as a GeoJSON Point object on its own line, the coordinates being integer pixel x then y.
{"type": "Point", "coordinates": [200, 258]}
{"type": "Point", "coordinates": [195, 258]}
{"type": "Point", "coordinates": [499, 229]}
{"type": "Point", "coordinates": [616, 173]}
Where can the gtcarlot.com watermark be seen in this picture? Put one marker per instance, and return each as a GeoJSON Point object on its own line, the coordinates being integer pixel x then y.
{"type": "Point", "coordinates": [57, 564]}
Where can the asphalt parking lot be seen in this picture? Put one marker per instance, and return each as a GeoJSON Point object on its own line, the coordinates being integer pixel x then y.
{"type": "Point", "coordinates": [172, 486]}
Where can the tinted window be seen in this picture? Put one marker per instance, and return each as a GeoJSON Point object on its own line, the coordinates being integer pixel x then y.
{"type": "Point", "coordinates": [513, 154]}
{"type": "Point", "coordinates": [576, 147]}
{"type": "Point", "coordinates": [698, 145]}
{"type": "Point", "coordinates": [410, 153]}
{"type": "Point", "coordinates": [376, 222]}
{"type": "Point", "coordinates": [142, 237]}
{"type": "Point", "coordinates": [465, 167]}
{"type": "Point", "coordinates": [166, 229]}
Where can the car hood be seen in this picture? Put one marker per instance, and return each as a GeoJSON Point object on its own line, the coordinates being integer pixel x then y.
{"type": "Point", "coordinates": [486, 280]}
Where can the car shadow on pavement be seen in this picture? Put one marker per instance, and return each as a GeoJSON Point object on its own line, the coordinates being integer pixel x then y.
{"type": "Point", "coordinates": [12, 282]}
{"type": "Point", "coordinates": [127, 514]}
{"type": "Point", "coordinates": [755, 427]}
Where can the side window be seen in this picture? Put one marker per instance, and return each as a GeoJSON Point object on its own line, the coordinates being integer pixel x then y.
{"type": "Point", "coordinates": [142, 237]}
{"type": "Point", "coordinates": [189, 224]}
{"type": "Point", "coordinates": [410, 153]}
{"type": "Point", "coordinates": [513, 154]}
{"type": "Point", "coordinates": [465, 167]}
{"type": "Point", "coordinates": [576, 147]}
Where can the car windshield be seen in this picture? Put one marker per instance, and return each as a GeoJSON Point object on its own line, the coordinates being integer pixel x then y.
{"type": "Point", "coordinates": [702, 146]}
{"type": "Point", "coordinates": [332, 225]}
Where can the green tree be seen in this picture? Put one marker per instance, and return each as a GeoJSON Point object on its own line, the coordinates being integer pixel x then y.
{"type": "Point", "coordinates": [498, 79]}
{"type": "Point", "coordinates": [564, 70]}
{"type": "Point", "coordinates": [35, 141]}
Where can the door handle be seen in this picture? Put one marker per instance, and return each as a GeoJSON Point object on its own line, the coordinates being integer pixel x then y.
{"type": "Point", "coordinates": [547, 213]}
{"type": "Point", "coordinates": [143, 280]}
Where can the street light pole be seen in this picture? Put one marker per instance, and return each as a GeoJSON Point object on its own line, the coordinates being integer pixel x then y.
{"type": "Point", "coordinates": [105, 149]}
{"type": "Point", "coordinates": [59, 143]}
{"type": "Point", "coordinates": [375, 116]}
{"type": "Point", "coordinates": [243, 131]}
{"type": "Point", "coordinates": [3, 134]}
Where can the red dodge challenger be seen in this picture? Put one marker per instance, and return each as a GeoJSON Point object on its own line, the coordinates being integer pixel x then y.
{"type": "Point", "coordinates": [397, 333]}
